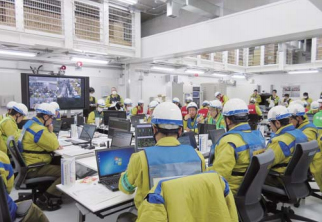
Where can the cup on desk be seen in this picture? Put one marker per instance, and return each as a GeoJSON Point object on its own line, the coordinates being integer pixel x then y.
{"type": "Point", "coordinates": [73, 131]}
{"type": "Point", "coordinates": [97, 121]}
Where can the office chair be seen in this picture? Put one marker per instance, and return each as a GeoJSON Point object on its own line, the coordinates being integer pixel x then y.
{"type": "Point", "coordinates": [37, 185]}
{"type": "Point", "coordinates": [248, 196]}
{"type": "Point", "coordinates": [294, 183]}
{"type": "Point", "coordinates": [4, 209]}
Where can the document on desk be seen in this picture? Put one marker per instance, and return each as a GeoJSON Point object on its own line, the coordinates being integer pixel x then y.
{"type": "Point", "coordinates": [95, 195]}
{"type": "Point", "coordinates": [73, 151]}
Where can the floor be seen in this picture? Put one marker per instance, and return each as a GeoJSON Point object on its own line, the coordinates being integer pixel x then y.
{"type": "Point", "coordinates": [310, 207]}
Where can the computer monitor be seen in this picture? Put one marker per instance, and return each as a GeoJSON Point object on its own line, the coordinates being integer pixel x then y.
{"type": "Point", "coordinates": [203, 128]}
{"type": "Point", "coordinates": [87, 132]}
{"type": "Point", "coordinates": [143, 136]}
{"type": "Point", "coordinates": [188, 138]}
{"type": "Point", "coordinates": [66, 122]}
{"type": "Point", "coordinates": [135, 120]}
{"type": "Point", "coordinates": [113, 113]}
{"type": "Point", "coordinates": [216, 134]}
{"type": "Point", "coordinates": [118, 124]}
{"type": "Point", "coordinates": [57, 125]}
{"type": "Point", "coordinates": [121, 139]}
{"type": "Point", "coordinates": [80, 120]}
{"type": "Point", "coordinates": [113, 161]}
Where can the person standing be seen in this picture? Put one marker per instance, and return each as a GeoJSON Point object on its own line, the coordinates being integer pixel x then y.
{"type": "Point", "coordinates": [222, 98]}
{"type": "Point", "coordinates": [307, 99]}
{"type": "Point", "coordinates": [113, 98]}
{"type": "Point", "coordinates": [273, 99]}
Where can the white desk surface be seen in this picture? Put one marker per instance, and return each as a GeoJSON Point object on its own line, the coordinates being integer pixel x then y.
{"type": "Point", "coordinates": [117, 197]}
{"type": "Point", "coordinates": [89, 162]}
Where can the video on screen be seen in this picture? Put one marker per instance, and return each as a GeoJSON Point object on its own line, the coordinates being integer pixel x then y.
{"type": "Point", "coordinates": [67, 92]}
{"type": "Point", "coordinates": [145, 142]}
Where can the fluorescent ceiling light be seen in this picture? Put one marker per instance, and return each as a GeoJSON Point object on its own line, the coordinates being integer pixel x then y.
{"type": "Point", "coordinates": [219, 75]}
{"type": "Point", "coordinates": [18, 53]}
{"type": "Point", "coordinates": [85, 60]}
{"type": "Point", "coordinates": [236, 76]}
{"type": "Point", "coordinates": [130, 2]}
{"type": "Point", "coordinates": [195, 71]}
{"type": "Point", "coordinates": [162, 68]}
{"type": "Point", "coordinates": [303, 72]}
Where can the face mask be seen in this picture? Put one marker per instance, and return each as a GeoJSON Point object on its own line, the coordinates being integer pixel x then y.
{"type": "Point", "coordinates": [305, 97]}
{"type": "Point", "coordinates": [114, 92]}
{"type": "Point", "coordinates": [99, 109]}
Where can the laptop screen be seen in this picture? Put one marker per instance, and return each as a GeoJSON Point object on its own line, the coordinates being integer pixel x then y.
{"type": "Point", "coordinates": [113, 161]}
{"type": "Point", "coordinates": [87, 132]}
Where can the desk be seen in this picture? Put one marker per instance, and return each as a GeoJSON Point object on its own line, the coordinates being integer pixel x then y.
{"type": "Point", "coordinates": [89, 162]}
{"type": "Point", "coordinates": [118, 202]}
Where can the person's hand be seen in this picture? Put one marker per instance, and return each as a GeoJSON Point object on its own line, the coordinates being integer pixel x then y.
{"type": "Point", "coordinates": [50, 128]}
{"type": "Point", "coordinates": [199, 119]}
{"type": "Point", "coordinates": [60, 148]}
{"type": "Point", "coordinates": [188, 130]}
{"type": "Point", "coordinates": [186, 117]}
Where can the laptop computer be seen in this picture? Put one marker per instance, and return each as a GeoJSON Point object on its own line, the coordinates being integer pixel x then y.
{"type": "Point", "coordinates": [216, 134]}
{"type": "Point", "coordinates": [121, 139]}
{"type": "Point", "coordinates": [86, 135]}
{"type": "Point", "coordinates": [57, 126]}
{"type": "Point", "coordinates": [111, 163]}
{"type": "Point", "coordinates": [188, 138]}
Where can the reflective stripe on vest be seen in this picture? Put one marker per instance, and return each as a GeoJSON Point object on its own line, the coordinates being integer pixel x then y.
{"type": "Point", "coordinates": [25, 128]}
{"type": "Point", "coordinates": [309, 125]}
{"type": "Point", "coordinates": [165, 162]}
{"type": "Point", "coordinates": [157, 198]}
{"type": "Point", "coordinates": [254, 142]}
{"type": "Point", "coordinates": [252, 109]}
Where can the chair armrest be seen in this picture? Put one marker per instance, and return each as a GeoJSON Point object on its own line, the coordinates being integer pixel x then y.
{"type": "Point", "coordinates": [274, 173]}
{"type": "Point", "coordinates": [37, 165]}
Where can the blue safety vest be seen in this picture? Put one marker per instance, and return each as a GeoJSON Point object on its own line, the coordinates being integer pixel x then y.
{"type": "Point", "coordinates": [192, 124]}
{"type": "Point", "coordinates": [310, 125]}
{"type": "Point", "coordinates": [168, 162]}
{"type": "Point", "coordinates": [25, 128]}
{"type": "Point", "coordinates": [254, 142]}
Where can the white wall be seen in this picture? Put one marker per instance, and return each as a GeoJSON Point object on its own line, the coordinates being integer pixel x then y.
{"type": "Point", "coordinates": [100, 78]}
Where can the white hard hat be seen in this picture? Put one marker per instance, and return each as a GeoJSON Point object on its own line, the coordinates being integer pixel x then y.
{"type": "Point", "coordinates": [176, 100]}
{"type": "Point", "coordinates": [153, 104]}
{"type": "Point", "coordinates": [253, 100]}
{"type": "Point", "coordinates": [127, 101]}
{"type": "Point", "coordinates": [315, 105]}
{"type": "Point", "coordinates": [217, 94]}
{"type": "Point", "coordinates": [55, 105]}
{"type": "Point", "coordinates": [192, 105]}
{"type": "Point", "coordinates": [11, 104]}
{"type": "Point", "coordinates": [101, 103]}
{"type": "Point", "coordinates": [278, 112]}
{"type": "Point", "coordinates": [206, 102]}
{"type": "Point", "coordinates": [216, 104]}
{"type": "Point", "coordinates": [189, 98]}
{"type": "Point", "coordinates": [141, 101]}
{"type": "Point", "coordinates": [21, 108]}
{"type": "Point", "coordinates": [296, 110]}
{"type": "Point", "coordinates": [235, 107]}
{"type": "Point", "coordinates": [167, 115]}
{"type": "Point", "coordinates": [158, 100]}
{"type": "Point", "coordinates": [300, 102]}
{"type": "Point", "coordinates": [46, 108]}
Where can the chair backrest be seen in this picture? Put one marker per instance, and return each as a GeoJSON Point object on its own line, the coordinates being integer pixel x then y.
{"type": "Point", "coordinates": [295, 176]}
{"type": "Point", "coordinates": [200, 197]}
{"type": "Point", "coordinates": [249, 193]}
{"type": "Point", "coordinates": [20, 164]}
{"type": "Point", "coordinates": [4, 209]}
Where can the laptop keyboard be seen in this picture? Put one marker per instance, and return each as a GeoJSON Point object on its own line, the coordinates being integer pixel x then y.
{"type": "Point", "coordinates": [111, 183]}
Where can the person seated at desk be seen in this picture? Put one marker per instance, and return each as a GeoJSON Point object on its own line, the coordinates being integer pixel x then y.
{"type": "Point", "coordinates": [204, 109]}
{"type": "Point", "coordinates": [233, 151]}
{"type": "Point", "coordinates": [57, 109]}
{"type": "Point", "coordinates": [255, 114]}
{"type": "Point", "coordinates": [138, 109]}
{"type": "Point", "coordinates": [215, 116]}
{"type": "Point", "coordinates": [9, 127]}
{"type": "Point", "coordinates": [37, 143]}
{"type": "Point", "coordinates": [7, 174]}
{"type": "Point", "coordinates": [152, 106]}
{"type": "Point", "coordinates": [283, 141]}
{"type": "Point", "coordinates": [128, 106]}
{"type": "Point", "coordinates": [300, 121]}
{"type": "Point", "coordinates": [9, 108]}
{"type": "Point", "coordinates": [98, 113]}
{"type": "Point", "coordinates": [191, 120]}
{"type": "Point", "coordinates": [314, 108]}
{"type": "Point", "coordinates": [147, 167]}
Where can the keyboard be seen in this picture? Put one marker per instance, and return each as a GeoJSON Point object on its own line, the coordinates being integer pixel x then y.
{"type": "Point", "coordinates": [111, 183]}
